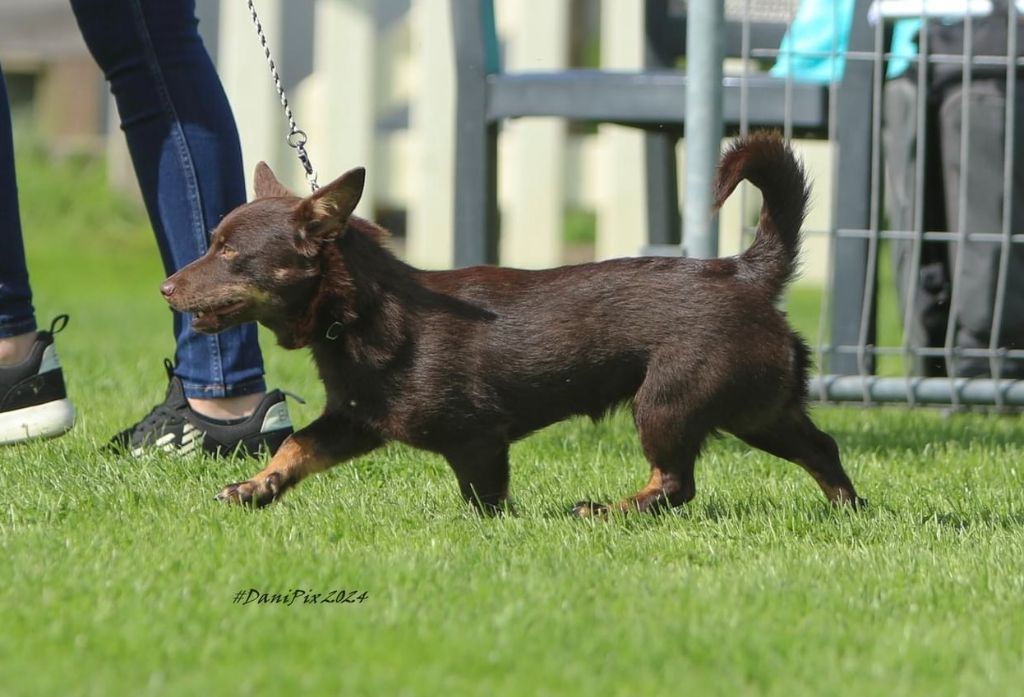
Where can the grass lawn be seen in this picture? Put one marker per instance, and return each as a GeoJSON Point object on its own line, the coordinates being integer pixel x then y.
{"type": "Point", "coordinates": [118, 576]}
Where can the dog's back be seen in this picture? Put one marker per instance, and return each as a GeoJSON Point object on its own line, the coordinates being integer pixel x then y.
{"type": "Point", "coordinates": [580, 339]}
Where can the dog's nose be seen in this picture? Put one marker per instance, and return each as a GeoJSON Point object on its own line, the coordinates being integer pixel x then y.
{"type": "Point", "coordinates": [167, 288]}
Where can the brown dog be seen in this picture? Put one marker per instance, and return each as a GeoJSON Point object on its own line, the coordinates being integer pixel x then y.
{"type": "Point", "coordinates": [465, 362]}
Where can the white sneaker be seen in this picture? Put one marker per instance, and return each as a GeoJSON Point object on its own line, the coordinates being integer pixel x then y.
{"type": "Point", "coordinates": [33, 400]}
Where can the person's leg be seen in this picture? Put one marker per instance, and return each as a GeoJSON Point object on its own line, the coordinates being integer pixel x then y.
{"type": "Point", "coordinates": [33, 400]}
{"type": "Point", "coordinates": [17, 319]}
{"type": "Point", "coordinates": [185, 149]}
{"type": "Point", "coordinates": [925, 292]}
{"type": "Point", "coordinates": [976, 285]}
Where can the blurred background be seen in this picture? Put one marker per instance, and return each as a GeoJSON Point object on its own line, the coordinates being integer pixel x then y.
{"type": "Point", "coordinates": [372, 83]}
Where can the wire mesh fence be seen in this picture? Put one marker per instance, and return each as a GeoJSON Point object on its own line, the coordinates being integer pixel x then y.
{"type": "Point", "coordinates": [924, 298]}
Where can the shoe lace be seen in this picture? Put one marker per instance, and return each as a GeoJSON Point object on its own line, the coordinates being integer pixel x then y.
{"type": "Point", "coordinates": [157, 417]}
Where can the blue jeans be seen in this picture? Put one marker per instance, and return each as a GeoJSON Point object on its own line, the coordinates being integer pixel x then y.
{"type": "Point", "coordinates": [185, 149]}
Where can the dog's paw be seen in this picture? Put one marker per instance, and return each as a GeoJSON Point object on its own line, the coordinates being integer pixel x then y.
{"type": "Point", "coordinates": [496, 510]}
{"type": "Point", "coordinates": [244, 493]}
{"type": "Point", "coordinates": [850, 500]}
{"type": "Point", "coordinates": [249, 493]}
{"type": "Point", "coordinates": [590, 509]}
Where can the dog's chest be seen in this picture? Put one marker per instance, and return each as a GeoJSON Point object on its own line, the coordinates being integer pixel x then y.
{"type": "Point", "coordinates": [362, 396]}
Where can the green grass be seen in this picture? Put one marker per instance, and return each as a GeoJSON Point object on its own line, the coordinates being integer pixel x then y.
{"type": "Point", "coordinates": [580, 226]}
{"type": "Point", "coordinates": [118, 576]}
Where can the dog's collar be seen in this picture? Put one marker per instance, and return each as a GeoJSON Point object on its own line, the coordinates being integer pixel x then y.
{"type": "Point", "coordinates": [333, 331]}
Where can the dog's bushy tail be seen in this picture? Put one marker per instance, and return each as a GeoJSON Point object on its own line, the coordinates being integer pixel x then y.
{"type": "Point", "coordinates": [766, 161]}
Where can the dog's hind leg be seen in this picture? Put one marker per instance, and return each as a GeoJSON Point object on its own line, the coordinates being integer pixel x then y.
{"type": "Point", "coordinates": [320, 445]}
{"type": "Point", "coordinates": [794, 437]}
{"type": "Point", "coordinates": [483, 473]}
{"type": "Point", "coordinates": [671, 443]}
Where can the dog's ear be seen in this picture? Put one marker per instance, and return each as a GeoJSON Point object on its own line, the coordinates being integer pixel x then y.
{"type": "Point", "coordinates": [323, 215]}
{"type": "Point", "coordinates": [266, 184]}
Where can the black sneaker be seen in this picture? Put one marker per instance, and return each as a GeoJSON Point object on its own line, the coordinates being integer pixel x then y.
{"type": "Point", "coordinates": [173, 427]}
{"type": "Point", "coordinates": [33, 401]}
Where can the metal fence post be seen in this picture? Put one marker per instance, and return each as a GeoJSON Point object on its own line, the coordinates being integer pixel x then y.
{"type": "Point", "coordinates": [476, 140]}
{"type": "Point", "coordinates": [853, 186]}
{"type": "Point", "coordinates": [705, 27]}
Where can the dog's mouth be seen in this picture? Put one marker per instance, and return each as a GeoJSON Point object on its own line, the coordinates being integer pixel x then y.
{"type": "Point", "coordinates": [212, 319]}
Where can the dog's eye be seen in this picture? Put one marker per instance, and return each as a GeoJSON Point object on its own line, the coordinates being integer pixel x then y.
{"type": "Point", "coordinates": [227, 251]}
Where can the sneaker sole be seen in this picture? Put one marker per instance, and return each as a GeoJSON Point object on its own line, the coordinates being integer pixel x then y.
{"type": "Point", "coordinates": [41, 421]}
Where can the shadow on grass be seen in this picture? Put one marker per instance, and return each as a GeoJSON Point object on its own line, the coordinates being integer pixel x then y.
{"type": "Point", "coordinates": [805, 518]}
{"type": "Point", "coordinates": [896, 429]}
{"type": "Point", "coordinates": [961, 521]}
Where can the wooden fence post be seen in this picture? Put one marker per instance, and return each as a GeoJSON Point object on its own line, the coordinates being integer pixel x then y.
{"type": "Point", "coordinates": [621, 212]}
{"type": "Point", "coordinates": [430, 235]}
{"type": "Point", "coordinates": [344, 103]}
{"type": "Point", "coordinates": [248, 84]}
{"type": "Point", "coordinates": [532, 165]}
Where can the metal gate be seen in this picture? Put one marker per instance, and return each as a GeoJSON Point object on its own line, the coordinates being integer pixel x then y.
{"type": "Point", "coordinates": [924, 205]}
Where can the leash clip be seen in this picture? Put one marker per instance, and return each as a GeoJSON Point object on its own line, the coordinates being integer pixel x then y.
{"type": "Point", "coordinates": [334, 331]}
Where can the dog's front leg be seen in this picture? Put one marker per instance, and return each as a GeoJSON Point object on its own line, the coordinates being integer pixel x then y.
{"type": "Point", "coordinates": [322, 444]}
{"type": "Point", "coordinates": [482, 471]}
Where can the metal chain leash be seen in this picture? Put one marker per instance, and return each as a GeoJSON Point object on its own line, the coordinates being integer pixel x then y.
{"type": "Point", "coordinates": [296, 138]}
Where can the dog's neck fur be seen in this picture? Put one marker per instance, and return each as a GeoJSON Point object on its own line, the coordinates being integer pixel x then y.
{"type": "Point", "coordinates": [363, 298]}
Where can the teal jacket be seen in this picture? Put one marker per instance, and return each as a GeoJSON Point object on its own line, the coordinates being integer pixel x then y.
{"type": "Point", "coordinates": [814, 47]}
